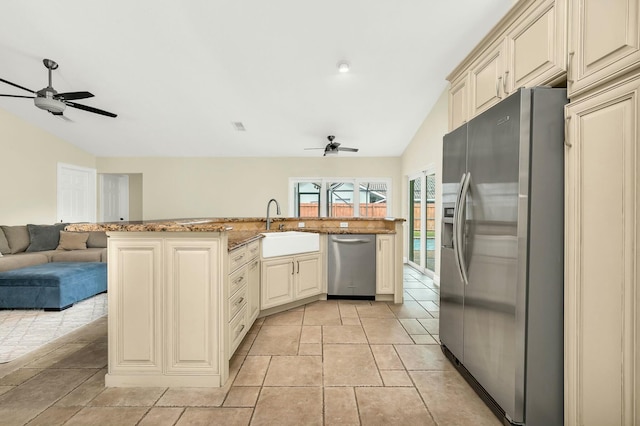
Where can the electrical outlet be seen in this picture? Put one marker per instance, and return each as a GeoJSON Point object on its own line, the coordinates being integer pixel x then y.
{"type": "Point", "coordinates": [300, 224]}
{"type": "Point", "coordinates": [344, 224]}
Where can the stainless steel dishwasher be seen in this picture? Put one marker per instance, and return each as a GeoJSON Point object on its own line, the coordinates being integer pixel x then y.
{"type": "Point", "coordinates": [352, 266]}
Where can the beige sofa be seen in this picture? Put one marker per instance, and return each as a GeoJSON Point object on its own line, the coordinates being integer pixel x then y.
{"type": "Point", "coordinates": [29, 245]}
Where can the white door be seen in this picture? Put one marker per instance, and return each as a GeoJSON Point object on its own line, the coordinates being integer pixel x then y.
{"type": "Point", "coordinates": [114, 198]}
{"type": "Point", "coordinates": [76, 193]}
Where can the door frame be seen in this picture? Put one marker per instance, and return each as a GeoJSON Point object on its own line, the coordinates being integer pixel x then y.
{"type": "Point", "coordinates": [91, 195]}
{"type": "Point", "coordinates": [422, 175]}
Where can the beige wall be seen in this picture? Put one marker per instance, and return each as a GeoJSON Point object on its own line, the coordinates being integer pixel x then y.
{"type": "Point", "coordinates": [425, 151]}
{"type": "Point", "coordinates": [229, 187]}
{"type": "Point", "coordinates": [28, 170]}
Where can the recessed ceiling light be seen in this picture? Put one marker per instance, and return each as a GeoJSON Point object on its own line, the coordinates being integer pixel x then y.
{"type": "Point", "coordinates": [343, 66]}
{"type": "Point", "coordinates": [238, 126]}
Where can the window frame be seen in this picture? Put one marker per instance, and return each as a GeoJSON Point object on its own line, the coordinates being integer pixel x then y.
{"type": "Point", "coordinates": [323, 192]}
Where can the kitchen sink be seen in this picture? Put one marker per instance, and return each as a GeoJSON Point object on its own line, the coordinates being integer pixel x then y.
{"type": "Point", "coordinates": [290, 242]}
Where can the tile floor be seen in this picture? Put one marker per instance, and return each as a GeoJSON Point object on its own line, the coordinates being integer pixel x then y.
{"type": "Point", "coordinates": [330, 362]}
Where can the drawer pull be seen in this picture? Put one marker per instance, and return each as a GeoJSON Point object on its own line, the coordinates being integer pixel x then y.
{"type": "Point", "coordinates": [239, 279]}
{"type": "Point", "coordinates": [254, 265]}
{"type": "Point", "coordinates": [240, 301]}
{"type": "Point", "coordinates": [240, 330]}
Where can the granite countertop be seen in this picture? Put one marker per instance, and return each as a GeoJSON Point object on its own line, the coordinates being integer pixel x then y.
{"type": "Point", "coordinates": [238, 238]}
{"type": "Point", "coordinates": [173, 225]}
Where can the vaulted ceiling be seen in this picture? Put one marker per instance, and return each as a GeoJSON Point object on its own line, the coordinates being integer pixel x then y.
{"type": "Point", "coordinates": [179, 74]}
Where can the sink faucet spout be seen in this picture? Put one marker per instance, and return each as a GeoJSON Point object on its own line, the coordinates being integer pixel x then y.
{"type": "Point", "coordinates": [273, 200]}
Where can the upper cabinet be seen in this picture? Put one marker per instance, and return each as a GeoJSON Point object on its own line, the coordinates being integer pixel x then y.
{"type": "Point", "coordinates": [604, 42]}
{"type": "Point", "coordinates": [526, 48]}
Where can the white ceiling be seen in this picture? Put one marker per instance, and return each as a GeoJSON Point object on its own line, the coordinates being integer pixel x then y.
{"type": "Point", "coordinates": [178, 73]}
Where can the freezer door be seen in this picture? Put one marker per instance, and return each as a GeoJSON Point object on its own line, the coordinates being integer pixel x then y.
{"type": "Point", "coordinates": [491, 252]}
{"type": "Point", "coordinates": [451, 285]}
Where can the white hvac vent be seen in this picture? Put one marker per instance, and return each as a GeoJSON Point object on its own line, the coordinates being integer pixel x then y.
{"type": "Point", "coordinates": [238, 126]}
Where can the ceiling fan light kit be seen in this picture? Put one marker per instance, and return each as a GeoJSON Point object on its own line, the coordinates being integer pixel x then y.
{"type": "Point", "coordinates": [343, 66]}
{"type": "Point", "coordinates": [50, 100]}
{"type": "Point", "coordinates": [333, 148]}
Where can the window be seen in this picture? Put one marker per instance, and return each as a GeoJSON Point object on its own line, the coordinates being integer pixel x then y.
{"type": "Point", "coordinates": [340, 197]}
{"type": "Point", "coordinates": [422, 222]}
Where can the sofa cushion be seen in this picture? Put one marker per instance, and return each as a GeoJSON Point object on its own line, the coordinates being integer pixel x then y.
{"type": "Point", "coordinates": [44, 237]}
{"type": "Point", "coordinates": [4, 244]}
{"type": "Point", "coordinates": [22, 260]}
{"type": "Point", "coordinates": [88, 255]}
{"type": "Point", "coordinates": [97, 239]}
{"type": "Point", "coordinates": [73, 240]}
{"type": "Point", "coordinates": [18, 238]}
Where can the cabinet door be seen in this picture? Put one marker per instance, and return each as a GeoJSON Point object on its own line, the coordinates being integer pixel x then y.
{"type": "Point", "coordinates": [193, 311]}
{"type": "Point", "coordinates": [604, 42]}
{"type": "Point", "coordinates": [385, 268]}
{"type": "Point", "coordinates": [253, 290]}
{"type": "Point", "coordinates": [135, 311]}
{"type": "Point", "coordinates": [537, 47]}
{"type": "Point", "coordinates": [459, 101]}
{"type": "Point", "coordinates": [308, 276]}
{"type": "Point", "coordinates": [277, 282]}
{"type": "Point", "coordinates": [487, 79]}
{"type": "Point", "coordinates": [602, 320]}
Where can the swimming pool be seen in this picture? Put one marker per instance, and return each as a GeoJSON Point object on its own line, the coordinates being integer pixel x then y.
{"type": "Point", "coordinates": [431, 244]}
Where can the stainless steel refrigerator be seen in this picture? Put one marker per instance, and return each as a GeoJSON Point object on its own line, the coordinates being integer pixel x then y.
{"type": "Point", "coordinates": [501, 272]}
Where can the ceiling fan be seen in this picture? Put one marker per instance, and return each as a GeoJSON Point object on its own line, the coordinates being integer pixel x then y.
{"type": "Point", "coordinates": [333, 148]}
{"type": "Point", "coordinates": [50, 100]}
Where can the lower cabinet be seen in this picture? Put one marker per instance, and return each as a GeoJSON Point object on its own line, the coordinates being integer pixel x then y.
{"type": "Point", "coordinates": [165, 322]}
{"type": "Point", "coordinates": [290, 278]}
{"type": "Point", "coordinates": [385, 264]}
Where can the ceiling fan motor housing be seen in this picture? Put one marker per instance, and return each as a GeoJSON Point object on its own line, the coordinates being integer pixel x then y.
{"type": "Point", "coordinates": [54, 106]}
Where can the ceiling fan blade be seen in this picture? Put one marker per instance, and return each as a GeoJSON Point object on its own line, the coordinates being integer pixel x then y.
{"type": "Point", "coordinates": [70, 96]}
{"type": "Point", "coordinates": [90, 109]}
{"type": "Point", "coordinates": [347, 149]}
{"type": "Point", "coordinates": [16, 85]}
{"type": "Point", "coordinates": [312, 148]}
{"type": "Point", "coordinates": [18, 96]}
{"type": "Point", "coordinates": [62, 116]}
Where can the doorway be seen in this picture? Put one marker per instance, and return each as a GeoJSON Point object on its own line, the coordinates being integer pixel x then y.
{"type": "Point", "coordinates": [422, 222]}
{"type": "Point", "coordinates": [76, 188]}
{"type": "Point", "coordinates": [114, 197]}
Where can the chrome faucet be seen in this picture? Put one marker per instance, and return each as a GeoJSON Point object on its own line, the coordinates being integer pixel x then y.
{"type": "Point", "coordinates": [277, 211]}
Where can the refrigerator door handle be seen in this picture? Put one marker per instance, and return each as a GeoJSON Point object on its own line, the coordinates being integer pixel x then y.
{"type": "Point", "coordinates": [456, 213]}
{"type": "Point", "coordinates": [460, 228]}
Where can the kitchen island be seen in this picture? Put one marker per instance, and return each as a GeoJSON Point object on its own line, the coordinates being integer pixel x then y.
{"type": "Point", "coordinates": [183, 293]}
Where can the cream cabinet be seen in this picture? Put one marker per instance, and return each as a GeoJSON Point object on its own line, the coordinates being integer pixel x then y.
{"type": "Point", "coordinates": [385, 264]}
{"type": "Point", "coordinates": [526, 48]}
{"type": "Point", "coordinates": [290, 278]}
{"type": "Point", "coordinates": [604, 42]}
{"type": "Point", "coordinates": [244, 292]}
{"type": "Point", "coordinates": [602, 316]}
{"type": "Point", "coordinates": [165, 312]}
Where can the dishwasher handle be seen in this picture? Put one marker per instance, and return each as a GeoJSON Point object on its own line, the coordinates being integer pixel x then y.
{"type": "Point", "coordinates": [350, 240]}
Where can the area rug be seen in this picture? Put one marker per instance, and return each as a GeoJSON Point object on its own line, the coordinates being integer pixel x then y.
{"type": "Point", "coordinates": [22, 331]}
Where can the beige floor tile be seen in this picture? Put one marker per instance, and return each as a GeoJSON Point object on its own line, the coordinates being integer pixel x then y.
{"type": "Point", "coordinates": [285, 318]}
{"type": "Point", "coordinates": [192, 397]}
{"type": "Point", "coordinates": [245, 345]}
{"type": "Point", "coordinates": [413, 326]}
{"type": "Point", "coordinates": [424, 339]}
{"type": "Point", "coordinates": [395, 378]}
{"type": "Point", "coordinates": [310, 349]}
{"type": "Point", "coordinates": [294, 371]}
{"type": "Point", "coordinates": [289, 406]}
{"type": "Point", "coordinates": [347, 310]}
{"type": "Point", "coordinates": [435, 314]}
{"type": "Point", "coordinates": [430, 306]}
{"type": "Point", "coordinates": [85, 392]}
{"type": "Point", "coordinates": [392, 406]}
{"type": "Point", "coordinates": [19, 376]}
{"type": "Point", "coordinates": [375, 310]}
{"type": "Point", "coordinates": [252, 371]}
{"type": "Point", "coordinates": [431, 325]}
{"type": "Point", "coordinates": [423, 294]}
{"type": "Point", "coordinates": [349, 365]}
{"type": "Point", "coordinates": [351, 321]}
{"type": "Point", "coordinates": [385, 331]}
{"type": "Point", "coordinates": [322, 313]}
{"type": "Point", "coordinates": [127, 397]}
{"type": "Point", "coordinates": [311, 334]}
{"type": "Point", "coordinates": [5, 389]}
{"type": "Point", "coordinates": [386, 357]}
{"type": "Point", "coordinates": [54, 416]}
{"type": "Point", "coordinates": [235, 363]}
{"type": "Point", "coordinates": [161, 416]}
{"type": "Point", "coordinates": [276, 340]}
{"type": "Point", "coordinates": [343, 334]}
{"type": "Point", "coordinates": [56, 355]}
{"type": "Point", "coordinates": [242, 396]}
{"type": "Point", "coordinates": [408, 309]}
{"type": "Point", "coordinates": [450, 399]}
{"type": "Point", "coordinates": [340, 407]}
{"type": "Point", "coordinates": [423, 357]}
{"type": "Point", "coordinates": [215, 416]}
{"type": "Point", "coordinates": [93, 355]}
{"type": "Point", "coordinates": [107, 416]}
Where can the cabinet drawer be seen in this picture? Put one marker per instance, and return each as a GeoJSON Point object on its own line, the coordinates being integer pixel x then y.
{"type": "Point", "coordinates": [237, 301]}
{"type": "Point", "coordinates": [253, 250]}
{"type": "Point", "coordinates": [237, 279]}
{"type": "Point", "coordinates": [237, 330]}
{"type": "Point", "coordinates": [237, 258]}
